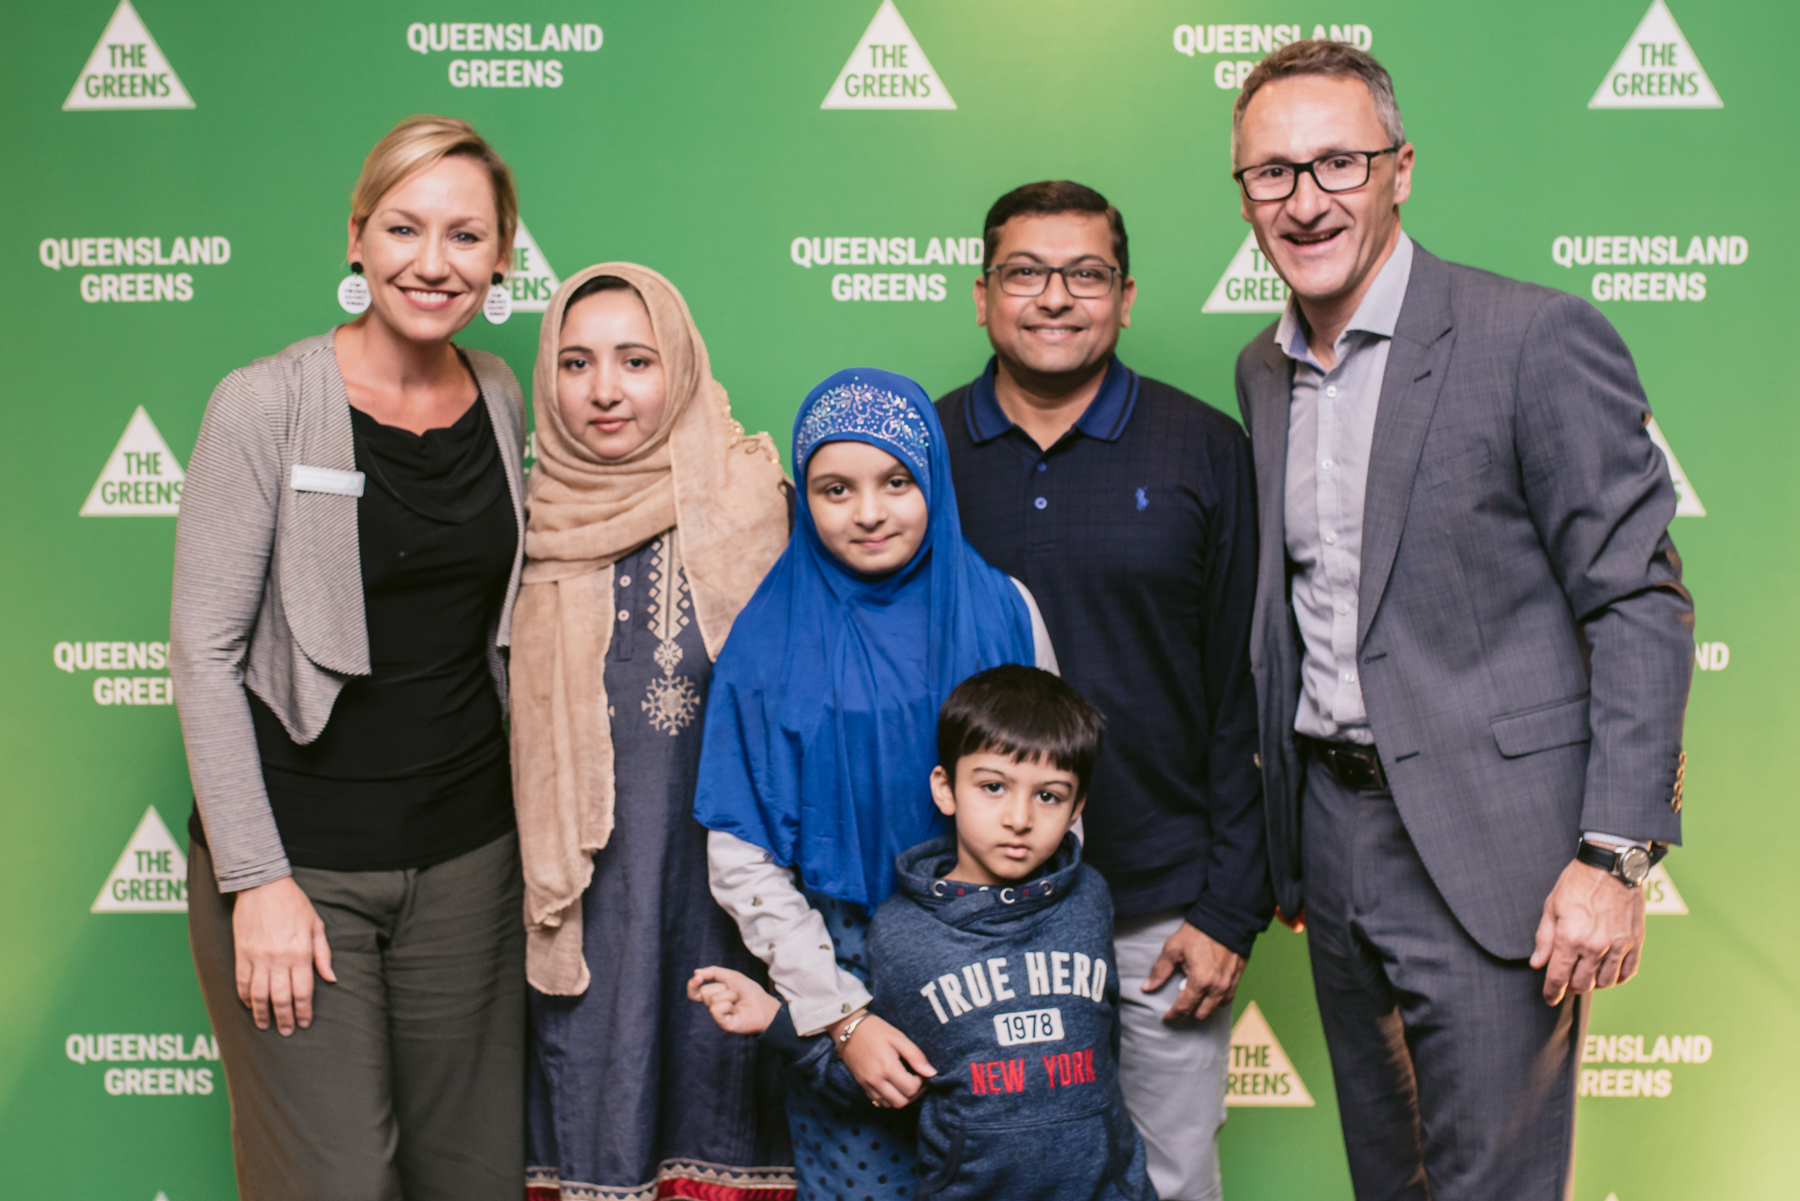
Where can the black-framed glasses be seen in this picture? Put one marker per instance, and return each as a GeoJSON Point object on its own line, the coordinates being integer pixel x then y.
{"type": "Point", "coordinates": [1083, 281]}
{"type": "Point", "coordinates": [1339, 171]}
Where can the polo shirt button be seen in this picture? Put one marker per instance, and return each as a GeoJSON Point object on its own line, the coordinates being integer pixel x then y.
{"type": "Point", "coordinates": [624, 581]}
{"type": "Point", "coordinates": [624, 614]}
{"type": "Point", "coordinates": [1043, 466]}
{"type": "Point", "coordinates": [1040, 502]}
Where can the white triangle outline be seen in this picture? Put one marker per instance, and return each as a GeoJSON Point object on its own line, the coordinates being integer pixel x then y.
{"type": "Point", "coordinates": [1253, 1030]}
{"type": "Point", "coordinates": [126, 26]}
{"type": "Point", "coordinates": [1669, 902]}
{"type": "Point", "coordinates": [1687, 501]}
{"type": "Point", "coordinates": [1243, 265]}
{"type": "Point", "coordinates": [523, 241]}
{"type": "Point", "coordinates": [888, 28]}
{"type": "Point", "coordinates": [140, 435]}
{"type": "Point", "coordinates": [1658, 26]}
{"type": "Point", "coordinates": [151, 835]}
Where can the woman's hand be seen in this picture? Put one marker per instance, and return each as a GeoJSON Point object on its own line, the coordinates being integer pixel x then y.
{"type": "Point", "coordinates": [884, 1061]}
{"type": "Point", "coordinates": [279, 940]}
{"type": "Point", "coordinates": [737, 1003]}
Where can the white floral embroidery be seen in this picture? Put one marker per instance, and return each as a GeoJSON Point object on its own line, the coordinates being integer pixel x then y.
{"type": "Point", "coordinates": [672, 701]}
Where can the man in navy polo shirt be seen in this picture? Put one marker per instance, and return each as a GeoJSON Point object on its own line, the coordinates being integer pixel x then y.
{"type": "Point", "coordinates": [1128, 509]}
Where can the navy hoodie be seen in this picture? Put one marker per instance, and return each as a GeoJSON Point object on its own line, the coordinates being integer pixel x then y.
{"type": "Point", "coordinates": [1011, 994]}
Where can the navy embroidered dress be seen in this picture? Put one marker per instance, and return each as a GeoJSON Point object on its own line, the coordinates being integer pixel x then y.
{"type": "Point", "coordinates": [632, 1090]}
{"type": "Point", "coordinates": [844, 1149]}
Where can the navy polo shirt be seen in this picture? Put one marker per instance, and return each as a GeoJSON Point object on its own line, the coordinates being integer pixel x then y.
{"type": "Point", "coordinates": [1136, 534]}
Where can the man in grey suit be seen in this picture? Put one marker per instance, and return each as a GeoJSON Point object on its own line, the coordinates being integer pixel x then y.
{"type": "Point", "coordinates": [1471, 648]}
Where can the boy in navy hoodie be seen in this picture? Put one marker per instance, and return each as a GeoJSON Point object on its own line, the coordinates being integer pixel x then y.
{"type": "Point", "coordinates": [995, 957]}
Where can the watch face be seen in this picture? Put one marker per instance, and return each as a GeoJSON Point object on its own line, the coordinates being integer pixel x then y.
{"type": "Point", "coordinates": [1634, 865]}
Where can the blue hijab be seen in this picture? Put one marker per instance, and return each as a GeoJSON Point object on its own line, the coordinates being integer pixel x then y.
{"type": "Point", "coordinates": [821, 718]}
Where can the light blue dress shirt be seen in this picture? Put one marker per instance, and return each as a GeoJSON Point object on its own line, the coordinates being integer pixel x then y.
{"type": "Point", "coordinates": [1331, 425]}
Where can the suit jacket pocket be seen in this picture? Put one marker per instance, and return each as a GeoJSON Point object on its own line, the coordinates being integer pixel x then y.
{"type": "Point", "coordinates": [1562, 723]}
{"type": "Point", "coordinates": [1455, 467]}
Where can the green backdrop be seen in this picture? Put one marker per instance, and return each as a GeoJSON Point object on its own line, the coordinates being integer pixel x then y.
{"type": "Point", "coordinates": [1573, 145]}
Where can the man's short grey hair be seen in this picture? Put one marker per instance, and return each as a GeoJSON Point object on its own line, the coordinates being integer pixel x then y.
{"type": "Point", "coordinates": [1339, 60]}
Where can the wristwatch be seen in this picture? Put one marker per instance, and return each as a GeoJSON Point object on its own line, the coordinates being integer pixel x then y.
{"type": "Point", "coordinates": [1628, 864]}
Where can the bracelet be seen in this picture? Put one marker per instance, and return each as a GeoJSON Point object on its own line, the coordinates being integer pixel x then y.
{"type": "Point", "coordinates": [850, 1029]}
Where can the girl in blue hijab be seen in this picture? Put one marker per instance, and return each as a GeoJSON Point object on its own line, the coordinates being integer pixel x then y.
{"type": "Point", "coordinates": [821, 733]}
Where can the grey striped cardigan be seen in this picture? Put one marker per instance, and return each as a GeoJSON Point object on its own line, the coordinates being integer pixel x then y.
{"type": "Point", "coordinates": [268, 582]}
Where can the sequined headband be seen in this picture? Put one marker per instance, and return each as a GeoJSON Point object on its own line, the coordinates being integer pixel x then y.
{"type": "Point", "coordinates": [859, 408]}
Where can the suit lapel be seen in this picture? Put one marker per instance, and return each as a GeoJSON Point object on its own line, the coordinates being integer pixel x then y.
{"type": "Point", "coordinates": [1417, 359]}
{"type": "Point", "coordinates": [1270, 387]}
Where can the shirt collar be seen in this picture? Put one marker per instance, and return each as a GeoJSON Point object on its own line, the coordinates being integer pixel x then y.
{"type": "Point", "coordinates": [1378, 313]}
{"type": "Point", "coordinates": [1105, 417]}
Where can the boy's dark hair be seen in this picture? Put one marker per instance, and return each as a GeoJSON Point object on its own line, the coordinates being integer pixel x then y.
{"type": "Point", "coordinates": [600, 283]}
{"type": "Point", "coordinates": [1023, 712]}
{"type": "Point", "coordinates": [1047, 198]}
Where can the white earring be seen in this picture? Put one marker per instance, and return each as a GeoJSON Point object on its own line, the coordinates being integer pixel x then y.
{"type": "Point", "coordinates": [353, 291]}
{"type": "Point", "coordinates": [498, 306]}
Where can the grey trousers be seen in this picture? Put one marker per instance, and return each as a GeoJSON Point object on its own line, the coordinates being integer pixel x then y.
{"type": "Point", "coordinates": [409, 1084]}
{"type": "Point", "coordinates": [1173, 1076]}
{"type": "Point", "coordinates": [1455, 1082]}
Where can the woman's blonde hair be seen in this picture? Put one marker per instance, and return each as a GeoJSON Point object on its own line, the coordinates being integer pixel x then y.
{"type": "Point", "coordinates": [416, 144]}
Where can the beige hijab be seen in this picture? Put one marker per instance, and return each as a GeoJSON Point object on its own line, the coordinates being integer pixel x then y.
{"type": "Point", "coordinates": [700, 475]}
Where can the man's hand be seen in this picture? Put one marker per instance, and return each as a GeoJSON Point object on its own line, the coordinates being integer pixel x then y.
{"type": "Point", "coordinates": [884, 1061]}
{"type": "Point", "coordinates": [737, 1003]}
{"type": "Point", "coordinates": [1591, 933]}
{"type": "Point", "coordinates": [1212, 973]}
{"type": "Point", "coordinates": [279, 940]}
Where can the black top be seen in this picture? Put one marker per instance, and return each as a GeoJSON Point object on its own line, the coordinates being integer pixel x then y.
{"type": "Point", "coordinates": [1136, 534]}
{"type": "Point", "coordinates": [412, 768]}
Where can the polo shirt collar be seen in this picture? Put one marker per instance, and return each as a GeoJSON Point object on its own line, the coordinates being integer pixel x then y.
{"type": "Point", "coordinates": [1105, 417]}
{"type": "Point", "coordinates": [1378, 313]}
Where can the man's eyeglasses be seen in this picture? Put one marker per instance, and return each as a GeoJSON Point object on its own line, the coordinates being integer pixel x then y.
{"type": "Point", "coordinates": [1339, 171]}
{"type": "Point", "coordinates": [1084, 281]}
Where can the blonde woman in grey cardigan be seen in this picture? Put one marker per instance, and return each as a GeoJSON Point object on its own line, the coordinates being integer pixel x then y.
{"type": "Point", "coordinates": [346, 560]}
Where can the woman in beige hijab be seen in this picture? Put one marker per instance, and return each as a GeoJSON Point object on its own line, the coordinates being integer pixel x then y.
{"type": "Point", "coordinates": [653, 518]}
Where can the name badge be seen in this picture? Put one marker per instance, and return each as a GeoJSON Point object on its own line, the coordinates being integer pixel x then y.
{"type": "Point", "coordinates": [326, 479]}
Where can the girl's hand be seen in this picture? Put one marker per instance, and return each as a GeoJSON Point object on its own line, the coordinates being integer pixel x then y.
{"type": "Point", "coordinates": [884, 1061]}
{"type": "Point", "coordinates": [737, 1003]}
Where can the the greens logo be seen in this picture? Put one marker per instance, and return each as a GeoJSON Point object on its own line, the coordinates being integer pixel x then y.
{"type": "Point", "coordinates": [127, 70]}
{"type": "Point", "coordinates": [531, 280]}
{"type": "Point", "coordinates": [142, 477]}
{"type": "Point", "coordinates": [888, 69]}
{"type": "Point", "coordinates": [150, 877]}
{"type": "Point", "coordinates": [1657, 69]}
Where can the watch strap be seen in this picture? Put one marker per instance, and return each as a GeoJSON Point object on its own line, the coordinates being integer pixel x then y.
{"type": "Point", "coordinates": [1598, 854]}
{"type": "Point", "coordinates": [1609, 858]}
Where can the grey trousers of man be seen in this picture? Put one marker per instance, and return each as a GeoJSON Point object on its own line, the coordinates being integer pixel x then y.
{"type": "Point", "coordinates": [1455, 1081]}
{"type": "Point", "coordinates": [1173, 1075]}
{"type": "Point", "coordinates": [410, 1082]}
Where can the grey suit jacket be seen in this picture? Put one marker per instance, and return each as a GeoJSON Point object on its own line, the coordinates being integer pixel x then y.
{"type": "Point", "coordinates": [268, 582]}
{"type": "Point", "coordinates": [1525, 642]}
